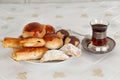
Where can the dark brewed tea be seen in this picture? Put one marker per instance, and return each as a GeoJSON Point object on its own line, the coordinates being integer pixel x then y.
{"type": "Point", "coordinates": [99, 34]}
{"type": "Point", "coordinates": [99, 27]}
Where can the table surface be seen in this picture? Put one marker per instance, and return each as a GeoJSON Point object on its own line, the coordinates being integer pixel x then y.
{"type": "Point", "coordinates": [74, 16]}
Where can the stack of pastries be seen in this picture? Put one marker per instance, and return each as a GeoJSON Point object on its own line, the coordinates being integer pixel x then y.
{"type": "Point", "coordinates": [42, 42]}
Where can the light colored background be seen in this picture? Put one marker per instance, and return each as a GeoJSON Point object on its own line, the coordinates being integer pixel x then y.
{"type": "Point", "coordinates": [48, 1]}
{"type": "Point", "coordinates": [74, 16]}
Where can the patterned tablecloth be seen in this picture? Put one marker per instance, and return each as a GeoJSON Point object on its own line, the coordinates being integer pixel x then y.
{"type": "Point", "coordinates": [75, 16]}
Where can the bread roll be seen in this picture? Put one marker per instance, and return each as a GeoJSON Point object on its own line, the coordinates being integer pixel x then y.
{"type": "Point", "coordinates": [32, 42]}
{"type": "Point", "coordinates": [28, 53]}
{"type": "Point", "coordinates": [53, 41]}
{"type": "Point", "coordinates": [11, 42]}
{"type": "Point", "coordinates": [34, 29]}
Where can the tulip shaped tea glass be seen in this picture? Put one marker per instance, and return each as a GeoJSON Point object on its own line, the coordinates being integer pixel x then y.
{"type": "Point", "coordinates": [99, 37]}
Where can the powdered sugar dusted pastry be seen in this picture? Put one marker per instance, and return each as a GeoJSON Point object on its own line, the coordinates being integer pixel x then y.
{"type": "Point", "coordinates": [71, 50]}
{"type": "Point", "coordinates": [54, 55]}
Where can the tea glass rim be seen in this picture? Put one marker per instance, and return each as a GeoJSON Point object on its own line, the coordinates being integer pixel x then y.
{"type": "Point", "coordinates": [99, 21]}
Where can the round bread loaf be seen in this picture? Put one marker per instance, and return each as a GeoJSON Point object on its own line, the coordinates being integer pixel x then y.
{"type": "Point", "coordinates": [34, 29]}
{"type": "Point", "coordinates": [53, 41]}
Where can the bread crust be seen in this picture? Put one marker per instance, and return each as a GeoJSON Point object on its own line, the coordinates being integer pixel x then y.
{"type": "Point", "coordinates": [32, 42]}
{"type": "Point", "coordinates": [28, 53]}
{"type": "Point", "coordinates": [11, 42]}
{"type": "Point", "coordinates": [34, 29]}
{"type": "Point", "coordinates": [49, 29]}
{"type": "Point", "coordinates": [53, 41]}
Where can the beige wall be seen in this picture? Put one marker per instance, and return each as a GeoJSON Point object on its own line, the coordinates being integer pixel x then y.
{"type": "Point", "coordinates": [44, 1]}
{"type": "Point", "coordinates": [12, 1]}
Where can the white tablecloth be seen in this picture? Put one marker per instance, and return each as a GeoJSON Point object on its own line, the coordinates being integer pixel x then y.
{"type": "Point", "coordinates": [75, 16]}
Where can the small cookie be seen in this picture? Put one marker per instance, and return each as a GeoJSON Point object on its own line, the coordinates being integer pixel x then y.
{"type": "Point", "coordinates": [62, 33]}
{"type": "Point", "coordinates": [73, 40]}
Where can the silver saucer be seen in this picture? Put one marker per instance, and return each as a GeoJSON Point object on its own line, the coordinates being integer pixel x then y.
{"type": "Point", "coordinates": [87, 41]}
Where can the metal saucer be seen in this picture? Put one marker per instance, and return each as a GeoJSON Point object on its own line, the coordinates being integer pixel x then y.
{"type": "Point", "coordinates": [87, 41]}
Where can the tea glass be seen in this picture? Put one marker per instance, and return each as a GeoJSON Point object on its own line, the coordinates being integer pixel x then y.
{"type": "Point", "coordinates": [99, 37]}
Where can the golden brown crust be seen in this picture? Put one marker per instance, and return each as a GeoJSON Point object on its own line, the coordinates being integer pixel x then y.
{"type": "Point", "coordinates": [53, 41]}
{"type": "Point", "coordinates": [28, 53]}
{"type": "Point", "coordinates": [32, 42]}
{"type": "Point", "coordinates": [49, 29]}
{"type": "Point", "coordinates": [11, 42]}
{"type": "Point", "coordinates": [34, 29]}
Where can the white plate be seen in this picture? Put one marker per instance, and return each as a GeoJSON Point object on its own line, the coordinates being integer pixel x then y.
{"type": "Point", "coordinates": [71, 33]}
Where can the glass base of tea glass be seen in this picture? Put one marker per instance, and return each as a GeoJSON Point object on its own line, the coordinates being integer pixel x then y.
{"type": "Point", "coordinates": [98, 48]}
